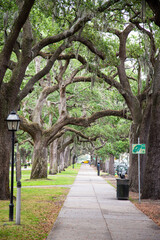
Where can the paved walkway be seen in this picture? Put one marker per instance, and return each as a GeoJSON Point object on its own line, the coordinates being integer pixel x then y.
{"type": "Point", "coordinates": [92, 212]}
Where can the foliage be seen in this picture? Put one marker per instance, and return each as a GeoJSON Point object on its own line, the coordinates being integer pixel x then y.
{"type": "Point", "coordinates": [116, 134]}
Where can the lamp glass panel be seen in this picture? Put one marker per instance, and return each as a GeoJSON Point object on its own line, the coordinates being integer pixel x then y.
{"type": "Point", "coordinates": [12, 125]}
{"type": "Point", "coordinates": [9, 125]}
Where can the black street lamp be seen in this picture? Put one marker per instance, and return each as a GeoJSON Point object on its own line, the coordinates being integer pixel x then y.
{"type": "Point", "coordinates": [13, 122]}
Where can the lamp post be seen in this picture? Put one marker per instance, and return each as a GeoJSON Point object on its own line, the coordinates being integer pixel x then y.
{"type": "Point", "coordinates": [13, 122]}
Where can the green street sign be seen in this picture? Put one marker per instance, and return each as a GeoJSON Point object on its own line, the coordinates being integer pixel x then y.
{"type": "Point", "coordinates": [138, 148]}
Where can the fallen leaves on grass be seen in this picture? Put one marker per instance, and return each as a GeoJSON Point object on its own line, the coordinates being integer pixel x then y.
{"type": "Point", "coordinates": [53, 211]}
{"type": "Point", "coordinates": [39, 210]}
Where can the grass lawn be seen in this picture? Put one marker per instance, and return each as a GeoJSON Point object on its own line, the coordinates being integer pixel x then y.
{"type": "Point", "coordinates": [39, 206]}
{"type": "Point", "coordinates": [66, 177]}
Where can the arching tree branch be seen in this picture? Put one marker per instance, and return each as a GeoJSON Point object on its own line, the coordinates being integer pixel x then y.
{"type": "Point", "coordinates": [12, 37]}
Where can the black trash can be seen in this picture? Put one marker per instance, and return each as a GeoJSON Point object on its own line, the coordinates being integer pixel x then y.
{"type": "Point", "coordinates": [122, 189]}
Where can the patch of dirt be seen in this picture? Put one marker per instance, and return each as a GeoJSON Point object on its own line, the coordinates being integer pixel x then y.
{"type": "Point", "coordinates": [148, 206]}
{"type": "Point", "coordinates": [53, 209]}
{"type": "Point", "coordinates": [151, 208]}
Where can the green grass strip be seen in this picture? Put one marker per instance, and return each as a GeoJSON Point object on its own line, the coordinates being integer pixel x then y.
{"type": "Point", "coordinates": [38, 209]}
{"type": "Point", "coordinates": [39, 206]}
{"type": "Point", "coordinates": [66, 177]}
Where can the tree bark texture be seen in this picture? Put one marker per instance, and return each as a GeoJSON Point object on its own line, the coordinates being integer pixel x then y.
{"type": "Point", "coordinates": [23, 155]}
{"type": "Point", "coordinates": [67, 157]}
{"type": "Point", "coordinates": [61, 160]}
{"type": "Point", "coordinates": [151, 187]}
{"type": "Point", "coordinates": [5, 143]}
{"type": "Point", "coordinates": [5, 149]}
{"type": "Point", "coordinates": [40, 156]}
{"type": "Point", "coordinates": [53, 158]}
{"type": "Point", "coordinates": [111, 165]}
{"type": "Point", "coordinates": [152, 173]}
{"type": "Point", "coordinates": [141, 131]}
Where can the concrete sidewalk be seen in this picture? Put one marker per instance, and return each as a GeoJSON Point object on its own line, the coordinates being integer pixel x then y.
{"type": "Point", "coordinates": [92, 212]}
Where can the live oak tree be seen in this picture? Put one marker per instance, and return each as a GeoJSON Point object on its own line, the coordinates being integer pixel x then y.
{"type": "Point", "coordinates": [8, 91]}
{"type": "Point", "coordinates": [22, 42]}
{"type": "Point", "coordinates": [44, 137]}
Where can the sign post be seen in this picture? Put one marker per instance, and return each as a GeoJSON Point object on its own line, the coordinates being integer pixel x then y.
{"type": "Point", "coordinates": [139, 175]}
{"type": "Point", "coordinates": [18, 178]}
{"type": "Point", "coordinates": [139, 149]}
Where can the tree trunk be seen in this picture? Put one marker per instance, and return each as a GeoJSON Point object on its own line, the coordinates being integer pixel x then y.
{"type": "Point", "coordinates": [152, 171]}
{"type": "Point", "coordinates": [23, 155]}
{"type": "Point", "coordinates": [40, 157]}
{"type": "Point", "coordinates": [53, 158]}
{"type": "Point", "coordinates": [149, 165]}
{"type": "Point", "coordinates": [111, 165]}
{"type": "Point", "coordinates": [104, 166]}
{"type": "Point", "coordinates": [66, 157]}
{"type": "Point", "coordinates": [61, 166]}
{"type": "Point", "coordinates": [150, 135]}
{"type": "Point", "coordinates": [107, 166]}
{"type": "Point", "coordinates": [70, 158]}
{"type": "Point", "coordinates": [5, 149]}
{"type": "Point", "coordinates": [58, 161]}
{"type": "Point", "coordinates": [151, 187]}
{"type": "Point", "coordinates": [141, 131]}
